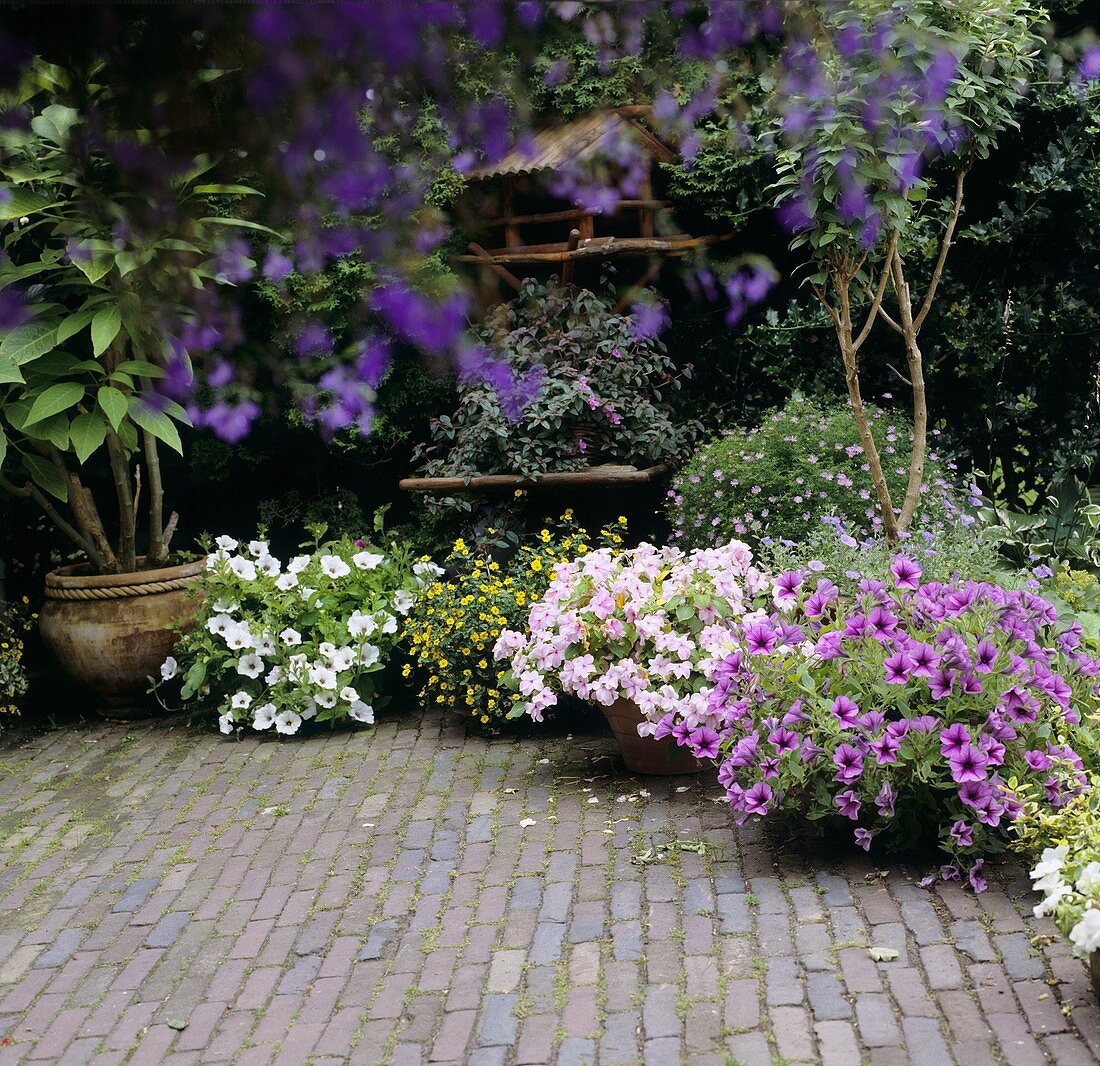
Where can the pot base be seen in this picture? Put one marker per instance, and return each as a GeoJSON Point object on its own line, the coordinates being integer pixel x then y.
{"type": "Point", "coordinates": [644, 755]}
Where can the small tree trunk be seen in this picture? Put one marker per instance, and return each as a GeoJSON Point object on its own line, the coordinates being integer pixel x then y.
{"type": "Point", "coordinates": [849, 352]}
{"type": "Point", "coordinates": [158, 548]}
{"type": "Point", "coordinates": [127, 533]}
{"type": "Point", "coordinates": [915, 360]}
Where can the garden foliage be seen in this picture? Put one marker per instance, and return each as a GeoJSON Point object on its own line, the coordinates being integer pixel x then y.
{"type": "Point", "coordinates": [14, 622]}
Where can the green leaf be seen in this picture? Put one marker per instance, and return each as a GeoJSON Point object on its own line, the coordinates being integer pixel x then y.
{"type": "Point", "coordinates": [241, 222]}
{"type": "Point", "coordinates": [139, 368]}
{"type": "Point", "coordinates": [10, 374]}
{"type": "Point", "coordinates": [54, 400]}
{"type": "Point", "coordinates": [54, 429]}
{"type": "Point", "coordinates": [114, 405]}
{"type": "Point", "coordinates": [87, 433]}
{"type": "Point", "coordinates": [95, 268]}
{"type": "Point", "coordinates": [22, 202]}
{"type": "Point", "coordinates": [3, 445]}
{"type": "Point", "coordinates": [55, 122]}
{"type": "Point", "coordinates": [73, 325]}
{"type": "Point", "coordinates": [227, 190]}
{"type": "Point", "coordinates": [105, 326]}
{"type": "Point", "coordinates": [46, 476]}
{"type": "Point", "coordinates": [28, 342]}
{"type": "Point", "coordinates": [194, 679]}
{"type": "Point", "coordinates": [159, 424]}
{"type": "Point", "coordinates": [176, 1023]}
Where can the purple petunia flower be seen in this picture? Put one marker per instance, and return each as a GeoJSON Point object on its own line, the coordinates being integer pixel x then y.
{"type": "Point", "coordinates": [756, 799]}
{"type": "Point", "coordinates": [985, 655]}
{"type": "Point", "coordinates": [906, 572]}
{"type": "Point", "coordinates": [849, 804]}
{"type": "Point", "coordinates": [897, 668]}
{"type": "Point", "coordinates": [704, 743]}
{"type": "Point", "coordinates": [864, 838]}
{"type": "Point", "coordinates": [884, 801]}
{"type": "Point", "coordinates": [977, 882]}
{"type": "Point", "coordinates": [940, 683]}
{"type": "Point", "coordinates": [962, 834]}
{"type": "Point", "coordinates": [953, 738]}
{"type": "Point", "coordinates": [924, 659]}
{"type": "Point", "coordinates": [849, 763]}
{"type": "Point", "coordinates": [1037, 761]}
{"type": "Point", "coordinates": [760, 638]}
{"type": "Point", "coordinates": [846, 711]}
{"type": "Point", "coordinates": [968, 763]}
{"type": "Point", "coordinates": [974, 793]}
{"type": "Point", "coordinates": [885, 749]}
{"type": "Point", "coordinates": [783, 739]}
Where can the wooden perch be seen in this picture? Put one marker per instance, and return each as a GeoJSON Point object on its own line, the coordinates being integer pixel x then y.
{"type": "Point", "coordinates": [594, 475]}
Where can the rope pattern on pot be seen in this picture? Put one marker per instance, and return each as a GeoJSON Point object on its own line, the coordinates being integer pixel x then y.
{"type": "Point", "coordinates": [118, 592]}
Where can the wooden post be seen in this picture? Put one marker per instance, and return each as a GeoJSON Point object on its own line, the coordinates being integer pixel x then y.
{"type": "Point", "coordinates": [501, 272]}
{"type": "Point", "coordinates": [645, 214]}
{"type": "Point", "coordinates": [511, 230]}
{"type": "Point", "coordinates": [571, 246]}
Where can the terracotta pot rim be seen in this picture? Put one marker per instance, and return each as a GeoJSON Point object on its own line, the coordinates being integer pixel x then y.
{"type": "Point", "coordinates": [75, 576]}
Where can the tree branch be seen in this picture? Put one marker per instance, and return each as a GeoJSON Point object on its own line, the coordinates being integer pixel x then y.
{"type": "Point", "coordinates": [945, 246]}
{"type": "Point", "coordinates": [876, 303]}
{"type": "Point", "coordinates": [30, 491]}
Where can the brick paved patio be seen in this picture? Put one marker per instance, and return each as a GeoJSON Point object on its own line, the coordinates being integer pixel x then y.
{"type": "Point", "coordinates": [170, 896]}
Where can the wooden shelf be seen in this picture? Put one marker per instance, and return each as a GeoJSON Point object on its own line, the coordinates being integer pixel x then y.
{"type": "Point", "coordinates": [592, 248]}
{"type": "Point", "coordinates": [608, 474]}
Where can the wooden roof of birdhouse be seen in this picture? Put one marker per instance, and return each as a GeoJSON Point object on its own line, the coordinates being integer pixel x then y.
{"type": "Point", "coordinates": [583, 138]}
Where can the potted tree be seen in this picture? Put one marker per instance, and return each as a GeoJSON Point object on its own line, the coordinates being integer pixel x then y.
{"type": "Point", "coordinates": [103, 276]}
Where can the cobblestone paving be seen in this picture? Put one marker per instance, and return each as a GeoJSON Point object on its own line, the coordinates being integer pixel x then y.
{"type": "Point", "coordinates": [167, 896]}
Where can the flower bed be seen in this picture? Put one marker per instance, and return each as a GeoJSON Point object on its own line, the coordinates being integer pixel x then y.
{"type": "Point", "coordinates": [276, 645]}
{"type": "Point", "coordinates": [14, 622]}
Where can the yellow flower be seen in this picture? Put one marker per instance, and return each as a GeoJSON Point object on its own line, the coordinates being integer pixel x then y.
{"type": "Point", "coordinates": [536, 564]}
{"type": "Point", "coordinates": [406, 670]}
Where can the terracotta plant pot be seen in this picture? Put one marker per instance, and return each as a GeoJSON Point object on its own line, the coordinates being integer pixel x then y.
{"type": "Point", "coordinates": [1094, 972]}
{"type": "Point", "coordinates": [644, 755]}
{"type": "Point", "coordinates": [111, 632]}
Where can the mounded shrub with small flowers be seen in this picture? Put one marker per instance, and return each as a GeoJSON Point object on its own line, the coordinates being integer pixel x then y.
{"type": "Point", "coordinates": [907, 708]}
{"type": "Point", "coordinates": [456, 622]}
{"type": "Point", "coordinates": [14, 622]}
{"type": "Point", "coordinates": [1068, 871]}
{"type": "Point", "coordinates": [648, 625]}
{"type": "Point", "coordinates": [277, 644]}
{"type": "Point", "coordinates": [804, 462]}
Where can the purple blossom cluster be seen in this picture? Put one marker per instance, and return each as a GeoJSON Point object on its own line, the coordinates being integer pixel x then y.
{"type": "Point", "coordinates": [904, 706]}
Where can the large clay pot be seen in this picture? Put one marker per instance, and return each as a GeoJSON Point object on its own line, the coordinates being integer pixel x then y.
{"type": "Point", "coordinates": [1094, 971]}
{"type": "Point", "coordinates": [111, 632]}
{"type": "Point", "coordinates": [644, 755]}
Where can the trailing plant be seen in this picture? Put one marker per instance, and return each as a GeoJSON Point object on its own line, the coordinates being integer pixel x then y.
{"type": "Point", "coordinates": [802, 465]}
{"type": "Point", "coordinates": [276, 644]}
{"type": "Point", "coordinates": [15, 620]}
{"type": "Point", "coordinates": [457, 620]}
{"type": "Point", "coordinates": [106, 309]}
{"type": "Point", "coordinates": [905, 708]}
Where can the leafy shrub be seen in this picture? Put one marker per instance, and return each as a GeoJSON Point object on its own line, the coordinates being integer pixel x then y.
{"type": "Point", "coordinates": [802, 464]}
{"type": "Point", "coordinates": [14, 622]}
{"type": "Point", "coordinates": [568, 366]}
{"type": "Point", "coordinates": [913, 710]}
{"type": "Point", "coordinates": [276, 645]}
{"type": "Point", "coordinates": [458, 619]}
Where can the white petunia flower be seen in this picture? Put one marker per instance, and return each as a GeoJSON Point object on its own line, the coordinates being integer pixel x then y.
{"type": "Point", "coordinates": [244, 568]}
{"type": "Point", "coordinates": [219, 624]}
{"type": "Point", "coordinates": [225, 606]}
{"type": "Point", "coordinates": [285, 582]}
{"type": "Point", "coordinates": [290, 637]}
{"type": "Point", "coordinates": [268, 565]}
{"type": "Point", "coordinates": [1085, 935]}
{"type": "Point", "coordinates": [264, 645]}
{"type": "Point", "coordinates": [214, 558]}
{"type": "Point", "coordinates": [310, 710]}
{"type": "Point", "coordinates": [325, 699]}
{"type": "Point", "coordinates": [274, 675]}
{"type": "Point", "coordinates": [297, 668]}
{"type": "Point", "coordinates": [362, 712]}
{"type": "Point", "coordinates": [238, 637]}
{"type": "Point", "coordinates": [390, 624]}
{"type": "Point", "coordinates": [225, 722]}
{"type": "Point", "coordinates": [306, 593]}
{"type": "Point", "coordinates": [241, 701]}
{"type": "Point", "coordinates": [287, 722]}
{"type": "Point", "coordinates": [361, 625]}
{"type": "Point", "coordinates": [298, 564]}
{"type": "Point", "coordinates": [349, 695]}
{"type": "Point", "coordinates": [342, 659]}
{"type": "Point", "coordinates": [1088, 881]}
{"type": "Point", "coordinates": [227, 544]}
{"type": "Point", "coordinates": [1050, 900]}
{"type": "Point", "coordinates": [258, 547]}
{"type": "Point", "coordinates": [423, 569]}
{"type": "Point", "coordinates": [250, 665]}
{"type": "Point", "coordinates": [367, 560]}
{"type": "Point", "coordinates": [326, 649]}
{"type": "Point", "coordinates": [335, 567]}
{"type": "Point", "coordinates": [322, 676]}
{"type": "Point", "coordinates": [263, 717]}
{"type": "Point", "coordinates": [403, 601]}
{"type": "Point", "coordinates": [368, 655]}
{"type": "Point", "coordinates": [169, 668]}
{"type": "Point", "coordinates": [1050, 862]}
